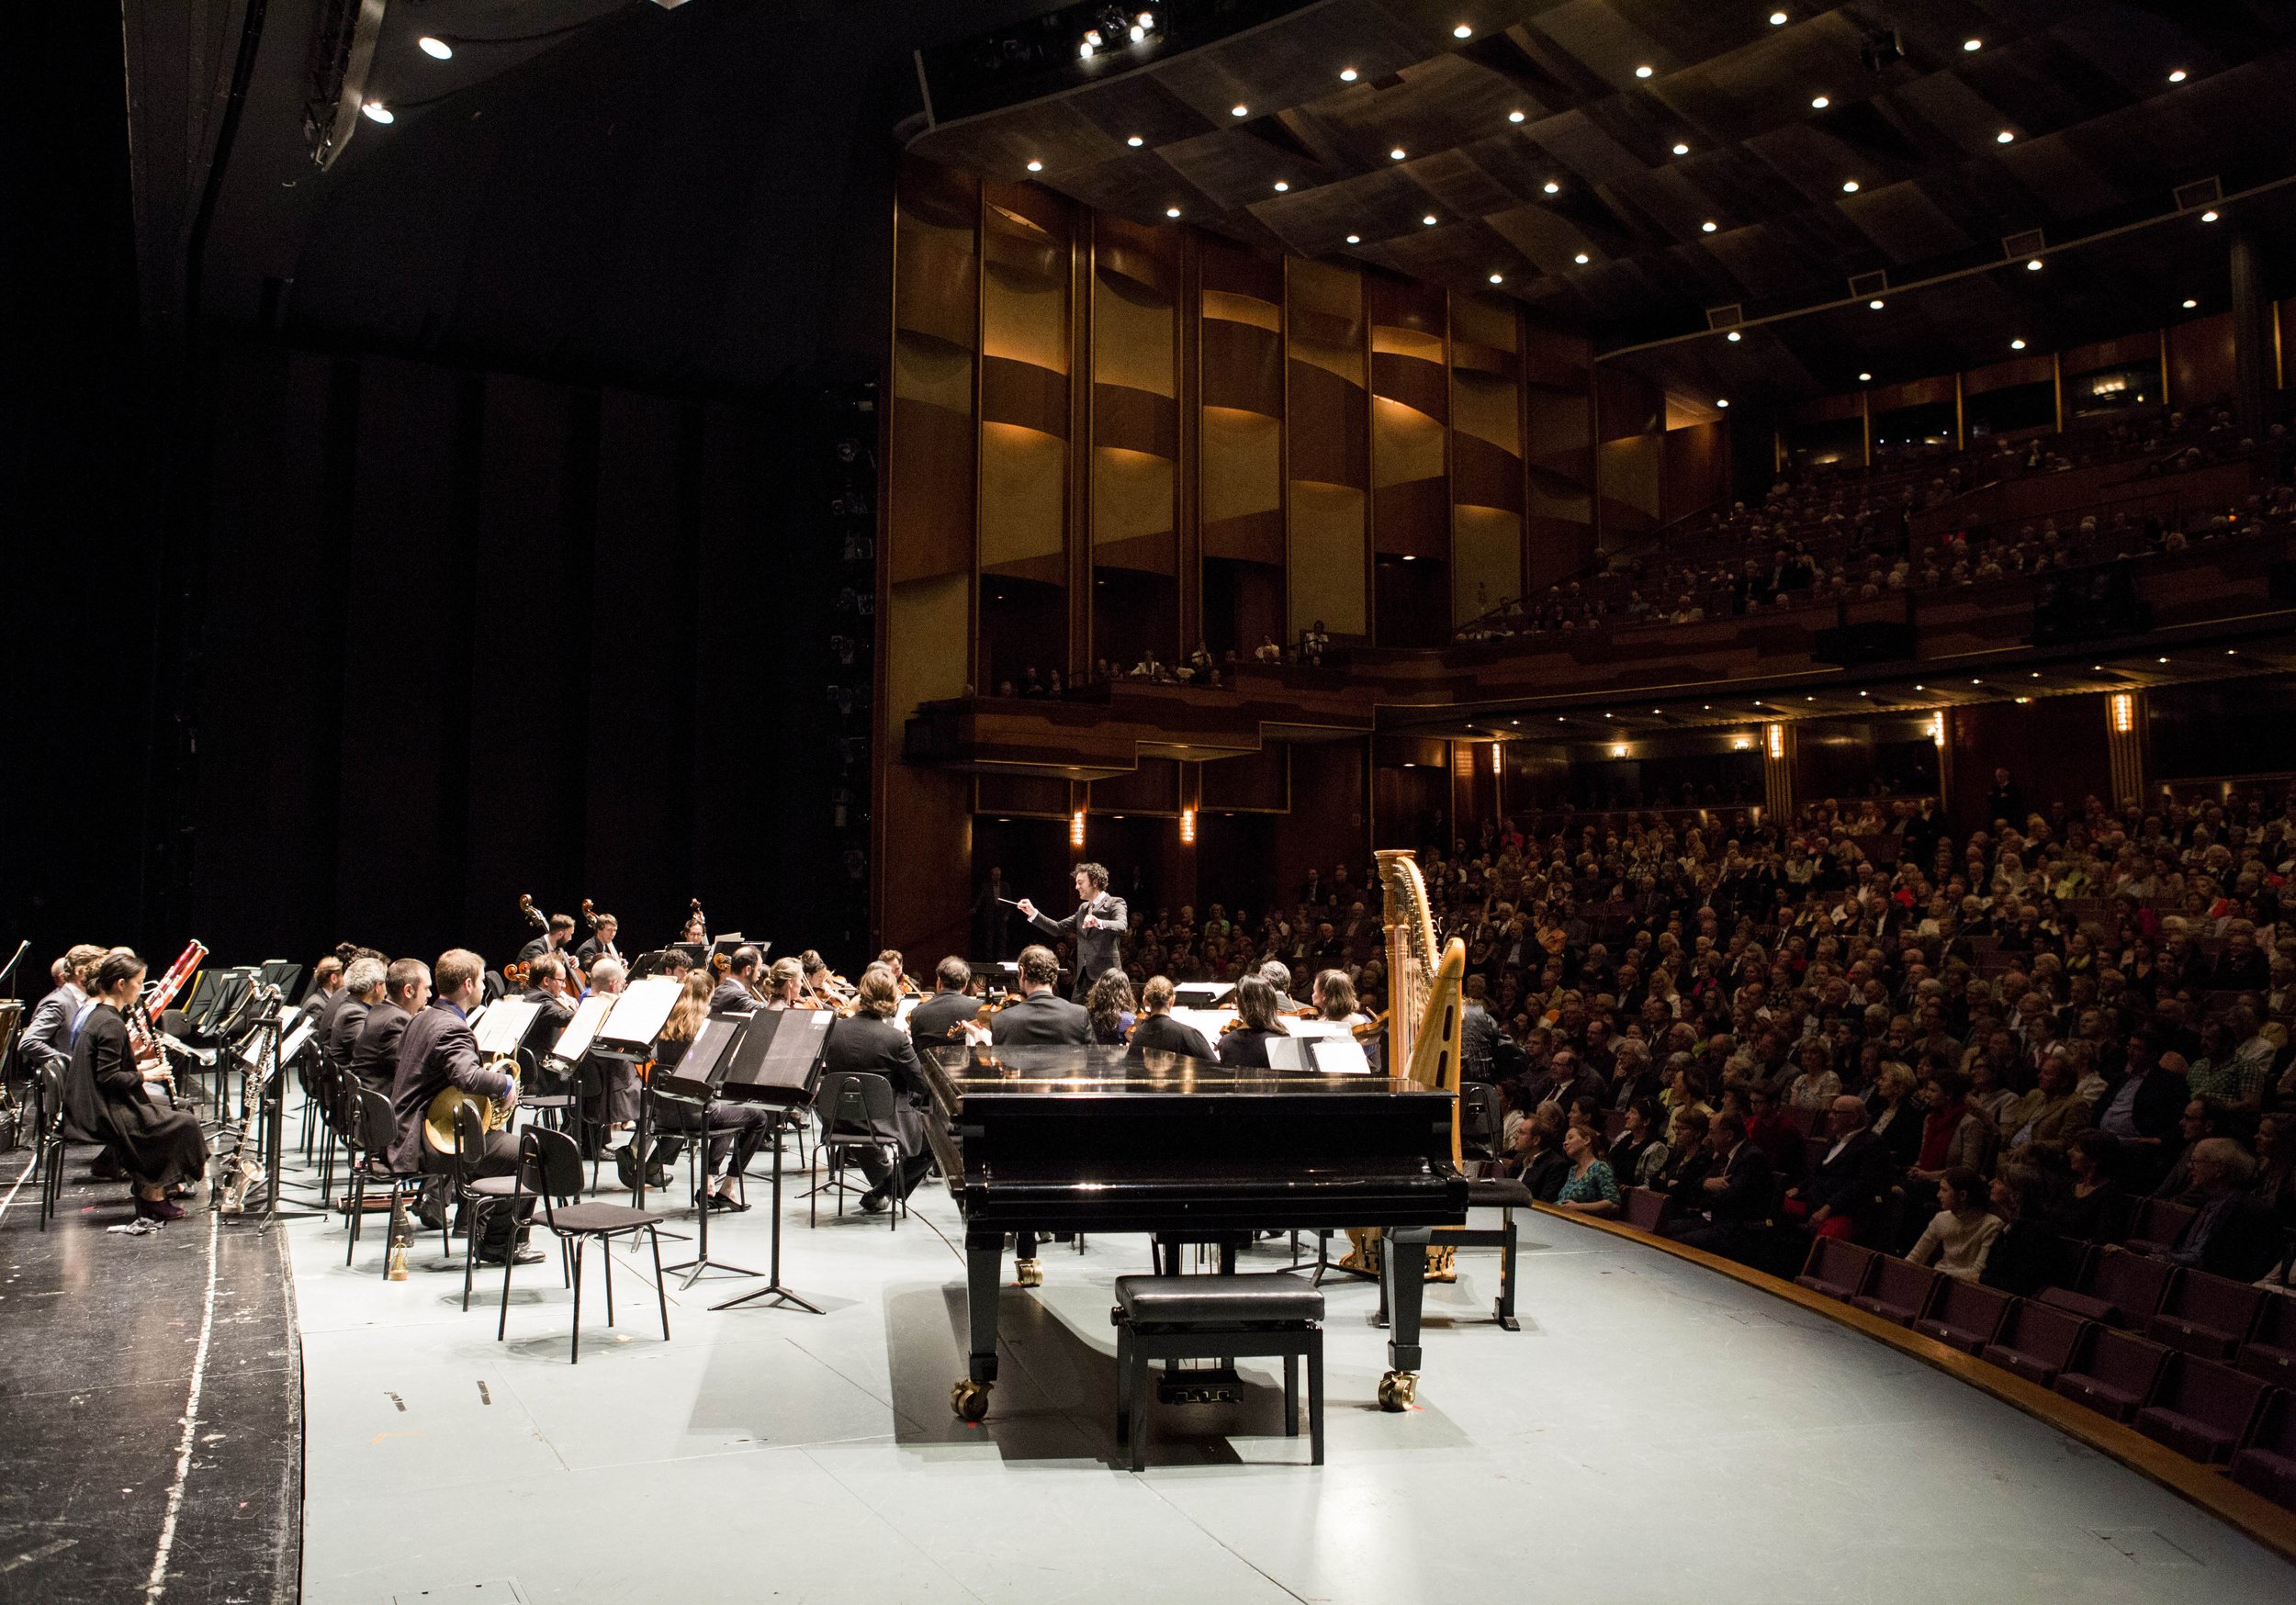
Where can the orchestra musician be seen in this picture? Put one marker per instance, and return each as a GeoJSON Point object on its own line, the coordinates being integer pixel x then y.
{"type": "Point", "coordinates": [553, 939]}
{"type": "Point", "coordinates": [598, 944]}
{"type": "Point", "coordinates": [738, 990]}
{"type": "Point", "coordinates": [362, 989]}
{"type": "Point", "coordinates": [1158, 1031]}
{"type": "Point", "coordinates": [891, 959]}
{"type": "Point", "coordinates": [1335, 999]}
{"type": "Point", "coordinates": [868, 1040]}
{"type": "Point", "coordinates": [615, 1105]}
{"type": "Point", "coordinates": [1111, 1009]}
{"type": "Point", "coordinates": [736, 1130]}
{"type": "Point", "coordinates": [824, 986]}
{"type": "Point", "coordinates": [1278, 975]}
{"type": "Point", "coordinates": [1098, 921]}
{"type": "Point", "coordinates": [546, 985]}
{"type": "Point", "coordinates": [435, 1052]}
{"type": "Point", "coordinates": [46, 1042]}
{"type": "Point", "coordinates": [940, 1020]}
{"type": "Point", "coordinates": [786, 985]}
{"type": "Point", "coordinates": [1041, 1016]}
{"type": "Point", "coordinates": [1246, 1045]}
{"type": "Point", "coordinates": [158, 1147]}
{"type": "Point", "coordinates": [375, 1057]}
{"type": "Point", "coordinates": [695, 929]}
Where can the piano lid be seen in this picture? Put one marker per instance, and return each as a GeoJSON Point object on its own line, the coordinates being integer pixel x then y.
{"type": "Point", "coordinates": [1047, 1070]}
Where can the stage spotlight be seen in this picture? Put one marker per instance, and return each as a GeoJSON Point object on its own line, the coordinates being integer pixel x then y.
{"type": "Point", "coordinates": [438, 50]}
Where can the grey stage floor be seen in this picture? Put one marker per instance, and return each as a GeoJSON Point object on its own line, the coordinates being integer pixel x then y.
{"type": "Point", "coordinates": [1654, 1433]}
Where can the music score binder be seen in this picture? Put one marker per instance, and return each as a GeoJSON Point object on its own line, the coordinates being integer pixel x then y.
{"type": "Point", "coordinates": [697, 1076]}
{"type": "Point", "coordinates": [582, 1029]}
{"type": "Point", "coordinates": [778, 1060]}
{"type": "Point", "coordinates": [637, 1016]}
{"type": "Point", "coordinates": [504, 1024]}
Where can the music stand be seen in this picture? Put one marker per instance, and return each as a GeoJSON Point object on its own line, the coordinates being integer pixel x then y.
{"type": "Point", "coordinates": [271, 1096]}
{"type": "Point", "coordinates": [778, 1064]}
{"type": "Point", "coordinates": [627, 1036]}
{"type": "Point", "coordinates": [695, 1080]}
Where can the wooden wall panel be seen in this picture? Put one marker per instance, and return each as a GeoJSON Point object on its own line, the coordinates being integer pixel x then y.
{"type": "Point", "coordinates": [1697, 470]}
{"type": "Point", "coordinates": [1486, 560]}
{"type": "Point", "coordinates": [1559, 442]}
{"type": "Point", "coordinates": [1326, 449]}
{"type": "Point", "coordinates": [2200, 362]}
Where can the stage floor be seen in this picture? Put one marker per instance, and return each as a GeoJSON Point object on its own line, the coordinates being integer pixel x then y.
{"type": "Point", "coordinates": [1654, 1432]}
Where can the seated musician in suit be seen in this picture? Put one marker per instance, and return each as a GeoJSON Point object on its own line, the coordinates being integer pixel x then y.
{"type": "Point", "coordinates": [159, 1147]}
{"type": "Point", "coordinates": [599, 945]}
{"type": "Point", "coordinates": [1278, 975]}
{"type": "Point", "coordinates": [738, 990]}
{"type": "Point", "coordinates": [1098, 921]}
{"type": "Point", "coordinates": [437, 1052]}
{"type": "Point", "coordinates": [614, 1105]}
{"type": "Point", "coordinates": [362, 989]}
{"type": "Point", "coordinates": [546, 985]}
{"type": "Point", "coordinates": [1158, 1031]}
{"type": "Point", "coordinates": [940, 1021]}
{"type": "Point", "coordinates": [1736, 1197]}
{"type": "Point", "coordinates": [1245, 1043]}
{"type": "Point", "coordinates": [1041, 1016]}
{"type": "Point", "coordinates": [736, 1129]}
{"type": "Point", "coordinates": [555, 939]}
{"type": "Point", "coordinates": [375, 1056]}
{"type": "Point", "coordinates": [868, 1040]}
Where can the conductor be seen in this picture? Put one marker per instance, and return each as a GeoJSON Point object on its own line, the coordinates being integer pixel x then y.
{"type": "Point", "coordinates": [1097, 922]}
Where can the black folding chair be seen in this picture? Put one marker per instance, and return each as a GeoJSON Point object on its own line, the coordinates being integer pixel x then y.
{"type": "Point", "coordinates": [476, 1194]}
{"type": "Point", "coordinates": [858, 1110]}
{"type": "Point", "coordinates": [377, 1126]}
{"type": "Point", "coordinates": [49, 1154]}
{"type": "Point", "coordinates": [553, 1163]}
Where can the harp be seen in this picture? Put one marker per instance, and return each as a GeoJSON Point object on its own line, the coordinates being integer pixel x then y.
{"type": "Point", "coordinates": [1426, 986]}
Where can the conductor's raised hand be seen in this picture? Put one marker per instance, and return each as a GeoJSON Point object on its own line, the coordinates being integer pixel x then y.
{"type": "Point", "coordinates": [1027, 909]}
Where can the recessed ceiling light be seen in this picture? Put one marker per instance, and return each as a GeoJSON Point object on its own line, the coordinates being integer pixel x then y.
{"type": "Point", "coordinates": [1708, 227]}
{"type": "Point", "coordinates": [1643, 71]}
{"type": "Point", "coordinates": [2016, 346]}
{"type": "Point", "coordinates": [2207, 216]}
{"type": "Point", "coordinates": [1498, 278]}
{"type": "Point", "coordinates": [378, 112]}
{"type": "Point", "coordinates": [1681, 149]}
{"type": "Point", "coordinates": [1171, 211]}
{"type": "Point", "coordinates": [2033, 265]}
{"type": "Point", "coordinates": [438, 50]}
{"type": "Point", "coordinates": [2004, 137]}
{"type": "Point", "coordinates": [1973, 44]}
{"type": "Point", "coordinates": [1281, 186]}
{"type": "Point", "coordinates": [1354, 239]}
{"type": "Point", "coordinates": [1733, 337]}
{"type": "Point", "coordinates": [1551, 187]}
{"type": "Point", "coordinates": [1848, 186]}
{"type": "Point", "coordinates": [1239, 111]}
{"type": "Point", "coordinates": [1865, 378]}
{"type": "Point", "coordinates": [2189, 303]}
{"type": "Point", "coordinates": [1429, 220]}
{"type": "Point", "coordinates": [1515, 117]}
{"type": "Point", "coordinates": [1580, 259]}
{"type": "Point", "coordinates": [1874, 305]}
{"type": "Point", "coordinates": [1135, 141]}
{"type": "Point", "coordinates": [2176, 76]}
{"type": "Point", "coordinates": [1346, 75]}
{"type": "Point", "coordinates": [1462, 31]}
{"type": "Point", "coordinates": [1036, 166]}
{"type": "Point", "coordinates": [1777, 19]}
{"type": "Point", "coordinates": [1396, 154]}
{"type": "Point", "coordinates": [2164, 660]}
{"type": "Point", "coordinates": [1721, 403]}
{"type": "Point", "coordinates": [1819, 103]}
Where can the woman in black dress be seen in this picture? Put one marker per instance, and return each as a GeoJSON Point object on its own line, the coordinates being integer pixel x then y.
{"type": "Point", "coordinates": [158, 1147]}
{"type": "Point", "coordinates": [1245, 1043]}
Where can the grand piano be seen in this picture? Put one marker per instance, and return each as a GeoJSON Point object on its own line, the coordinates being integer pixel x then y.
{"type": "Point", "coordinates": [1056, 1141]}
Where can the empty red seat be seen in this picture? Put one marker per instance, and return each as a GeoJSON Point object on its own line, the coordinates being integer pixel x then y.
{"type": "Point", "coordinates": [1837, 1267]}
{"type": "Point", "coordinates": [2203, 1409]}
{"type": "Point", "coordinates": [2270, 1351]}
{"type": "Point", "coordinates": [1898, 1290]}
{"type": "Point", "coordinates": [2112, 1373]}
{"type": "Point", "coordinates": [2205, 1314]}
{"type": "Point", "coordinates": [1646, 1208]}
{"type": "Point", "coordinates": [2159, 1226]}
{"type": "Point", "coordinates": [2116, 1287]}
{"type": "Point", "coordinates": [1808, 1122]}
{"type": "Point", "coordinates": [1614, 1122]}
{"type": "Point", "coordinates": [2035, 1340]}
{"type": "Point", "coordinates": [2268, 1466]}
{"type": "Point", "coordinates": [1964, 1314]}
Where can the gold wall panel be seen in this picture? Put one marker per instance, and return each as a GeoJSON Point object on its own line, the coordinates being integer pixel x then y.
{"type": "Point", "coordinates": [1483, 321]}
{"type": "Point", "coordinates": [1326, 564]}
{"type": "Point", "coordinates": [1131, 336]}
{"type": "Point", "coordinates": [926, 621]}
{"type": "Point", "coordinates": [1024, 494]}
{"type": "Point", "coordinates": [1228, 307]}
{"type": "Point", "coordinates": [1132, 498]}
{"type": "Point", "coordinates": [1406, 444]}
{"type": "Point", "coordinates": [1486, 560]}
{"type": "Point", "coordinates": [1486, 408]}
{"type": "Point", "coordinates": [1242, 470]}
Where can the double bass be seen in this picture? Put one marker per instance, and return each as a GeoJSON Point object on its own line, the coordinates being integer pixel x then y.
{"type": "Point", "coordinates": [514, 973]}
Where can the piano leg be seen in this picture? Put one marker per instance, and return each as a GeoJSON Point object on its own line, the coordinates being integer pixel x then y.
{"type": "Point", "coordinates": [983, 1282]}
{"type": "Point", "coordinates": [1403, 1270]}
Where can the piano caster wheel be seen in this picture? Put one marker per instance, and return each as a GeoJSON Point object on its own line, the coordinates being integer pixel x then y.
{"type": "Point", "coordinates": [1028, 1273]}
{"type": "Point", "coordinates": [970, 1400]}
{"type": "Point", "coordinates": [1399, 1390]}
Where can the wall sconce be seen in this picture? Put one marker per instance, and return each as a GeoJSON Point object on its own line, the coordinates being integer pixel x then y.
{"type": "Point", "coordinates": [1777, 741]}
{"type": "Point", "coordinates": [1076, 828]}
{"type": "Point", "coordinates": [1495, 762]}
{"type": "Point", "coordinates": [1187, 827]}
{"type": "Point", "coordinates": [1937, 730]}
{"type": "Point", "coordinates": [1618, 752]}
{"type": "Point", "coordinates": [2121, 706]}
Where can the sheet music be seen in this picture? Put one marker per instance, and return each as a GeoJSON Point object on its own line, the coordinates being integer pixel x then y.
{"type": "Point", "coordinates": [1341, 1055]}
{"type": "Point", "coordinates": [500, 1027]}
{"type": "Point", "coordinates": [1211, 1022]}
{"type": "Point", "coordinates": [907, 1008]}
{"type": "Point", "coordinates": [297, 1040]}
{"type": "Point", "coordinates": [640, 1013]}
{"type": "Point", "coordinates": [588, 1014]}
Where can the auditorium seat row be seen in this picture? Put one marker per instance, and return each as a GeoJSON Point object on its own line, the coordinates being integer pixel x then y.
{"type": "Point", "coordinates": [2209, 1377]}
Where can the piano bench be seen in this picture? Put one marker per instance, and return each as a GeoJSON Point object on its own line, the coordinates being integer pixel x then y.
{"type": "Point", "coordinates": [1178, 1317]}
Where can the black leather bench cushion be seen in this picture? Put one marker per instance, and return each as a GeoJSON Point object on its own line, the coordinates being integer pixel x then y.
{"type": "Point", "coordinates": [1270, 1296]}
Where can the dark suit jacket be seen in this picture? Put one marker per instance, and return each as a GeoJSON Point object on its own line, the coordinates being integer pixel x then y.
{"type": "Point", "coordinates": [1247, 1046]}
{"type": "Point", "coordinates": [934, 1023]}
{"type": "Point", "coordinates": [1096, 948]}
{"type": "Point", "coordinates": [341, 1033]}
{"type": "Point", "coordinates": [435, 1052]}
{"type": "Point", "coordinates": [732, 994]}
{"type": "Point", "coordinates": [865, 1044]}
{"type": "Point", "coordinates": [1042, 1018]}
{"type": "Point", "coordinates": [375, 1056]}
{"type": "Point", "coordinates": [1853, 1181]}
{"type": "Point", "coordinates": [1162, 1034]}
{"type": "Point", "coordinates": [1751, 1193]}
